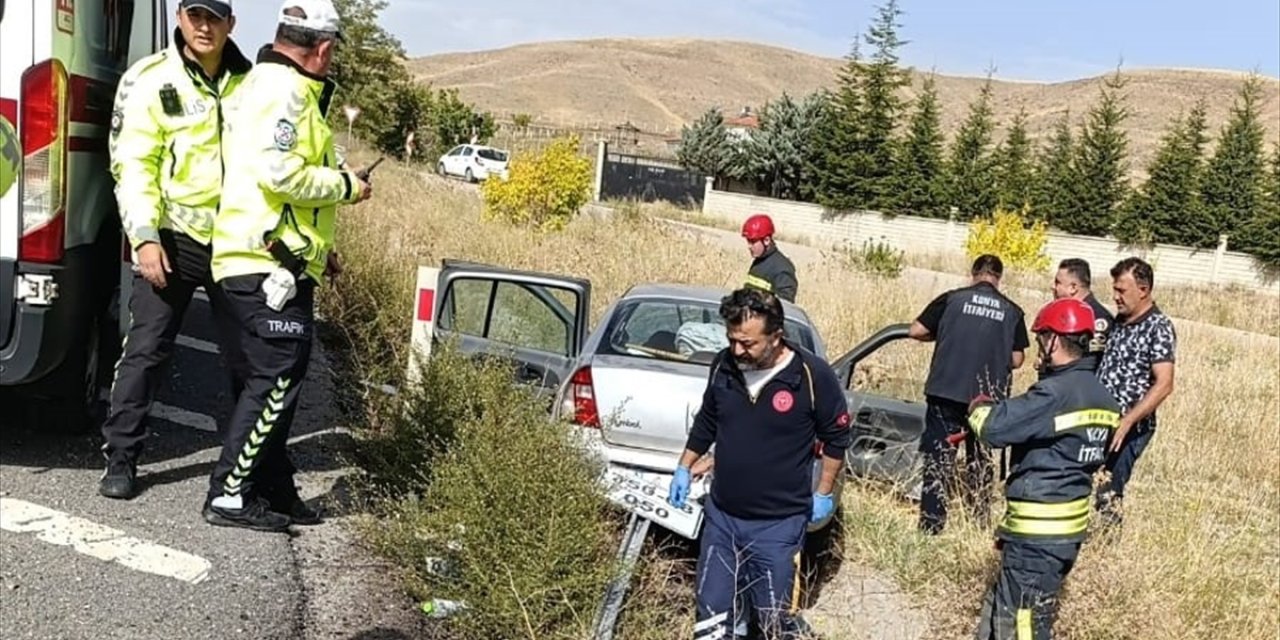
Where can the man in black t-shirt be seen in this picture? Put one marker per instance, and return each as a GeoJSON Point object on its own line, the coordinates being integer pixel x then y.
{"type": "Point", "coordinates": [981, 337]}
{"type": "Point", "coordinates": [1073, 281]}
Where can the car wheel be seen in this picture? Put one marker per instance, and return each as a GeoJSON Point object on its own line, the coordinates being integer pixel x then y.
{"type": "Point", "coordinates": [470, 177]}
{"type": "Point", "coordinates": [440, 170]}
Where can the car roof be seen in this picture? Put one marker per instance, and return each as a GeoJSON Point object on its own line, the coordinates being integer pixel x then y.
{"type": "Point", "coordinates": [698, 293]}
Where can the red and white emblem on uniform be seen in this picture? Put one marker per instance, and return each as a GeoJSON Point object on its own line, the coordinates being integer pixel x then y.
{"type": "Point", "coordinates": [783, 401]}
{"type": "Point", "coordinates": [843, 420]}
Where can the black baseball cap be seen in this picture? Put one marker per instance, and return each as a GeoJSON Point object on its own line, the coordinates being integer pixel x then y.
{"type": "Point", "coordinates": [220, 8]}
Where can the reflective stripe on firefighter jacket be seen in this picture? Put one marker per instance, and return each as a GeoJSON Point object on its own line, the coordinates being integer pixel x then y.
{"type": "Point", "coordinates": [282, 181]}
{"type": "Point", "coordinates": [1058, 433]}
{"type": "Point", "coordinates": [166, 142]}
{"type": "Point", "coordinates": [10, 156]}
{"type": "Point", "coordinates": [774, 272]}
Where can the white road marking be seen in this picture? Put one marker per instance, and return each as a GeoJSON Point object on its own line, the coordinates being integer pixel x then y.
{"type": "Point", "coordinates": [103, 543]}
{"type": "Point", "coordinates": [196, 343]}
{"type": "Point", "coordinates": [183, 417]}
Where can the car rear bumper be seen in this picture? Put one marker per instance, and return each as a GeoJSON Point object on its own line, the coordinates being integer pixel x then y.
{"type": "Point", "coordinates": [658, 467]}
{"type": "Point", "coordinates": [40, 335]}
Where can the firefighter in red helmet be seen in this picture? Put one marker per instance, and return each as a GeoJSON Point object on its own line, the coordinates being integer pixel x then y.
{"type": "Point", "coordinates": [1058, 432]}
{"type": "Point", "coordinates": [770, 269]}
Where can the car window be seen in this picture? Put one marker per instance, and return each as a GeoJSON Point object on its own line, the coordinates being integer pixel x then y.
{"type": "Point", "coordinates": [492, 154]}
{"type": "Point", "coordinates": [677, 330]}
{"type": "Point", "coordinates": [516, 314]}
{"type": "Point", "coordinates": [466, 151]}
{"type": "Point", "coordinates": [896, 370]}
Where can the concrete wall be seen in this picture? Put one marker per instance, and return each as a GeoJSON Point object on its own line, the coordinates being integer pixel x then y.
{"type": "Point", "coordinates": [1172, 264]}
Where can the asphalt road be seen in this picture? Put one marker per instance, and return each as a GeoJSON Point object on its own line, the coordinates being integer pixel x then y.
{"type": "Point", "coordinates": [76, 565]}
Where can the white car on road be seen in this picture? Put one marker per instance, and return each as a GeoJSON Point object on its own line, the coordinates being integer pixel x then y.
{"type": "Point", "coordinates": [635, 382]}
{"type": "Point", "coordinates": [474, 162]}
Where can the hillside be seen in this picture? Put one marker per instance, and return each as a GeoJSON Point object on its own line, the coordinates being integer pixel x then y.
{"type": "Point", "coordinates": [661, 84]}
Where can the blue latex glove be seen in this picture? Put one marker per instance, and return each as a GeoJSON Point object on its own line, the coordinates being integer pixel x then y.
{"type": "Point", "coordinates": [679, 489]}
{"type": "Point", "coordinates": [823, 505]}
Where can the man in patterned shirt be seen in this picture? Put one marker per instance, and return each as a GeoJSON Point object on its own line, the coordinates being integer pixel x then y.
{"type": "Point", "coordinates": [1137, 367]}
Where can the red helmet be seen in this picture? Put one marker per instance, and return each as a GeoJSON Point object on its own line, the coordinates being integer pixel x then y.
{"type": "Point", "coordinates": [1064, 315]}
{"type": "Point", "coordinates": [757, 227]}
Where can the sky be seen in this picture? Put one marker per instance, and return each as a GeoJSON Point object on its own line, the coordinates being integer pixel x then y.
{"type": "Point", "coordinates": [1024, 40]}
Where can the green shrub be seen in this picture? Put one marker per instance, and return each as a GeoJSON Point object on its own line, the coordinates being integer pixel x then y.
{"type": "Point", "coordinates": [880, 258]}
{"type": "Point", "coordinates": [544, 191]}
{"type": "Point", "coordinates": [475, 475]}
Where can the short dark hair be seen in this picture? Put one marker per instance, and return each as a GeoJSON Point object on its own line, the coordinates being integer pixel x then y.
{"type": "Point", "coordinates": [739, 306]}
{"type": "Point", "coordinates": [298, 36]}
{"type": "Point", "coordinates": [1138, 268]}
{"type": "Point", "coordinates": [1078, 268]}
{"type": "Point", "coordinates": [987, 264]}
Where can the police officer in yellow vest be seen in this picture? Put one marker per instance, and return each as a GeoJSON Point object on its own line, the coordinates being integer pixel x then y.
{"type": "Point", "coordinates": [1058, 431]}
{"type": "Point", "coordinates": [271, 242]}
{"type": "Point", "coordinates": [166, 156]}
{"type": "Point", "coordinates": [10, 156]}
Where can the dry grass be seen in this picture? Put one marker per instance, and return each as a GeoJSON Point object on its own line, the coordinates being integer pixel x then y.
{"type": "Point", "coordinates": [662, 83]}
{"type": "Point", "coordinates": [1198, 558]}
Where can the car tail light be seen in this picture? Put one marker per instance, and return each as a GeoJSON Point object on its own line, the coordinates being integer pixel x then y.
{"type": "Point", "coordinates": [580, 401]}
{"type": "Point", "coordinates": [43, 125]}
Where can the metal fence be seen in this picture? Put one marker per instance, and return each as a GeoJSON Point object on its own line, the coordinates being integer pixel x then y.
{"type": "Point", "coordinates": [626, 176]}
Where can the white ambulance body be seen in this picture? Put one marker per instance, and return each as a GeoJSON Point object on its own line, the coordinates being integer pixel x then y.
{"type": "Point", "coordinates": [60, 244]}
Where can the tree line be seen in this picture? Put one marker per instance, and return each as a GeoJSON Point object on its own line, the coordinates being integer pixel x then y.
{"type": "Point", "coordinates": [860, 145]}
{"type": "Point", "coordinates": [371, 75]}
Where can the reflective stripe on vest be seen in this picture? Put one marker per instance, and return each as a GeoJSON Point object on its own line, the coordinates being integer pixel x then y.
{"type": "Point", "coordinates": [759, 283]}
{"type": "Point", "coordinates": [1046, 519]}
{"type": "Point", "coordinates": [1086, 418]}
{"type": "Point", "coordinates": [978, 418]}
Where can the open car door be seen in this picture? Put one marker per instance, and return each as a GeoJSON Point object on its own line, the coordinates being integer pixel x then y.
{"type": "Point", "coordinates": [534, 322]}
{"type": "Point", "coordinates": [886, 429]}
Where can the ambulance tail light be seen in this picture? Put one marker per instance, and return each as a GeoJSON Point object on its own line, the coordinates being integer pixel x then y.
{"type": "Point", "coordinates": [580, 400]}
{"type": "Point", "coordinates": [43, 124]}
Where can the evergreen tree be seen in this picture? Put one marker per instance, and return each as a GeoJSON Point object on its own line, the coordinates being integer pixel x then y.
{"type": "Point", "coordinates": [704, 146]}
{"type": "Point", "coordinates": [775, 154]}
{"type": "Point", "coordinates": [1014, 165]}
{"type": "Point", "coordinates": [1100, 163]}
{"type": "Point", "coordinates": [1168, 208]}
{"type": "Point", "coordinates": [920, 189]}
{"type": "Point", "coordinates": [857, 154]}
{"type": "Point", "coordinates": [971, 167]}
{"type": "Point", "coordinates": [1054, 191]}
{"type": "Point", "coordinates": [836, 176]}
{"type": "Point", "coordinates": [1232, 187]}
{"type": "Point", "coordinates": [1261, 237]}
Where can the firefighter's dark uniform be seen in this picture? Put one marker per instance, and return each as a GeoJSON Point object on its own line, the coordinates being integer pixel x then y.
{"type": "Point", "coordinates": [762, 496]}
{"type": "Point", "coordinates": [1103, 319]}
{"type": "Point", "coordinates": [1058, 432]}
{"type": "Point", "coordinates": [282, 186]}
{"type": "Point", "coordinates": [773, 271]}
{"type": "Point", "coordinates": [166, 157]}
{"type": "Point", "coordinates": [976, 329]}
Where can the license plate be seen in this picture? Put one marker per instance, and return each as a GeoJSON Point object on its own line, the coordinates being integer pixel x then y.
{"type": "Point", "coordinates": [638, 494]}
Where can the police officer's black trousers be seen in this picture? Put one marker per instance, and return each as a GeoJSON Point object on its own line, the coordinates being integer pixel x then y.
{"type": "Point", "coordinates": [1023, 602]}
{"type": "Point", "coordinates": [276, 346]}
{"type": "Point", "coordinates": [155, 317]}
{"type": "Point", "coordinates": [944, 418]}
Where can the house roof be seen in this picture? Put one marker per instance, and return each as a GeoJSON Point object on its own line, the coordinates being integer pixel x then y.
{"type": "Point", "coordinates": [749, 121]}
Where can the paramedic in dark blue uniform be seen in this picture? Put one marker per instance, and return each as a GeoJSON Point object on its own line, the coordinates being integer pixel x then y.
{"type": "Point", "coordinates": [766, 403]}
{"type": "Point", "coordinates": [980, 337]}
{"type": "Point", "coordinates": [1073, 281]}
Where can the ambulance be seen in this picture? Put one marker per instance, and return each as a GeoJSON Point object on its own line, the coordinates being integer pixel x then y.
{"type": "Point", "coordinates": [60, 245]}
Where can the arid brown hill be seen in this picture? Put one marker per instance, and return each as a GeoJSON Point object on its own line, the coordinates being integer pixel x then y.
{"type": "Point", "coordinates": [661, 84]}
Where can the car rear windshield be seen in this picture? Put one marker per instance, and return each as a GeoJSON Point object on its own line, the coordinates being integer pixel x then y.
{"type": "Point", "coordinates": [492, 154]}
{"type": "Point", "coordinates": [684, 330]}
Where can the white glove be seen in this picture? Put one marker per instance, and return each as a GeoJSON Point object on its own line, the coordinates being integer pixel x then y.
{"type": "Point", "coordinates": [280, 288]}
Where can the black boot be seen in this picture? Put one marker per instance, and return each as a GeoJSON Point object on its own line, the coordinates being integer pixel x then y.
{"type": "Point", "coordinates": [289, 503]}
{"type": "Point", "coordinates": [255, 514]}
{"type": "Point", "coordinates": [119, 480]}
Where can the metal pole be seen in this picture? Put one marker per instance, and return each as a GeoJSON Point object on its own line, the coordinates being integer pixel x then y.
{"type": "Point", "coordinates": [629, 551]}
